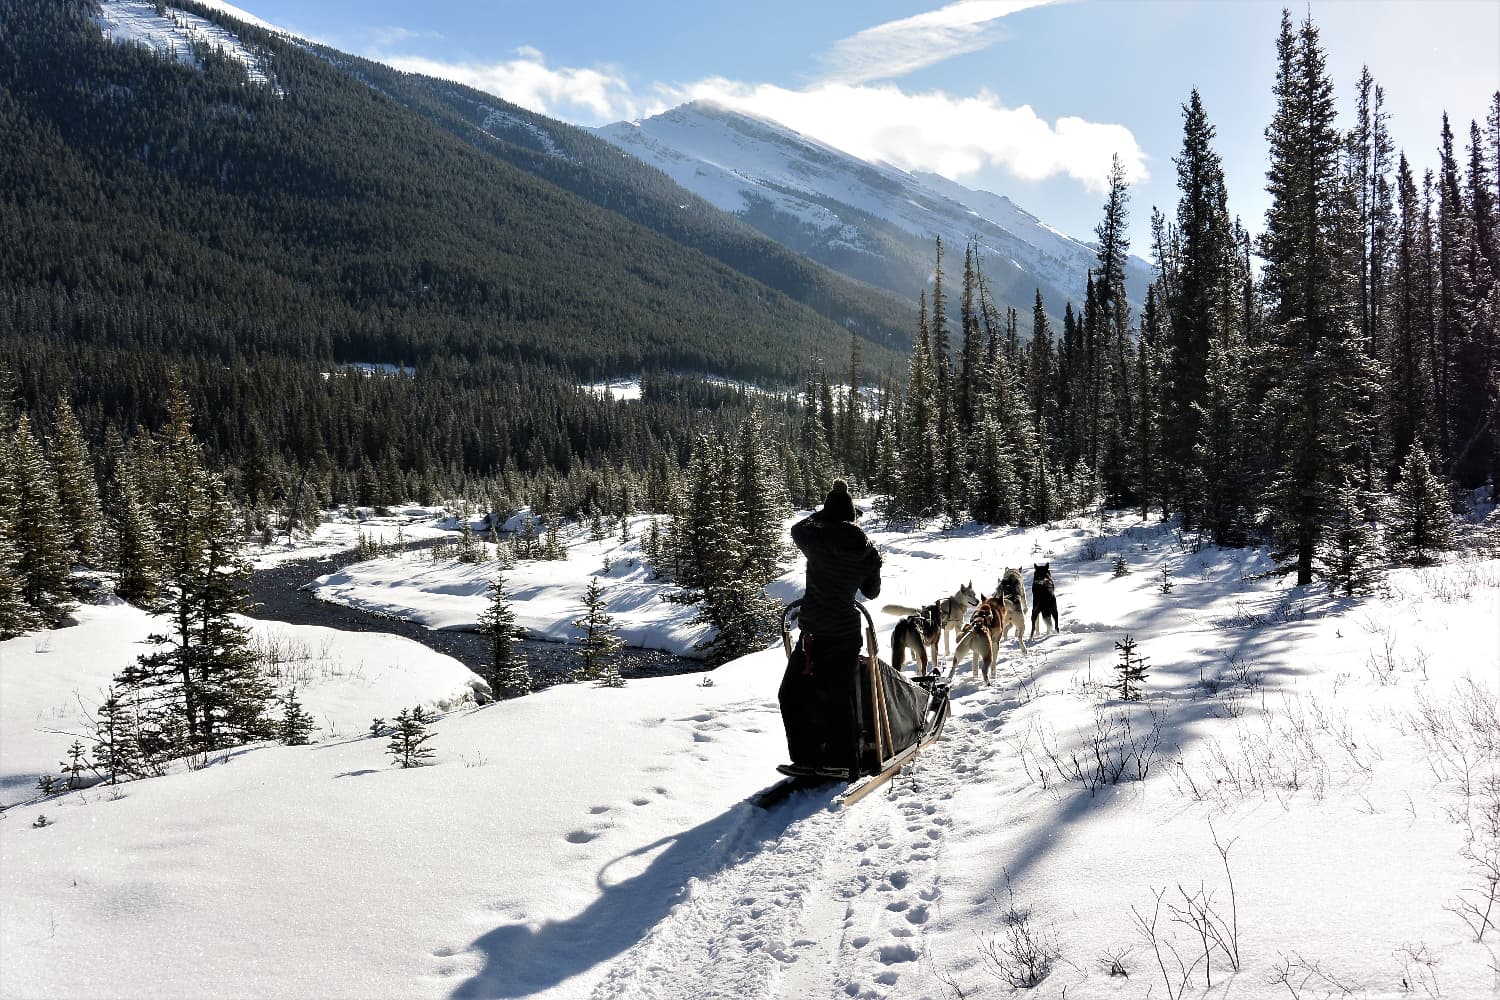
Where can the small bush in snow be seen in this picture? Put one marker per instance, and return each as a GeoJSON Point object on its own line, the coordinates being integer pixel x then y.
{"type": "Point", "coordinates": [1165, 584]}
{"type": "Point", "coordinates": [1122, 568]}
{"type": "Point", "coordinates": [1023, 954]}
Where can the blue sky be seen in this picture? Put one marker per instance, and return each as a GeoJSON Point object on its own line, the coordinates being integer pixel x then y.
{"type": "Point", "coordinates": [1019, 97]}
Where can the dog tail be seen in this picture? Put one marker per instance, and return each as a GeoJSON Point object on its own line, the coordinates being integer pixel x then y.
{"type": "Point", "coordinates": [900, 609]}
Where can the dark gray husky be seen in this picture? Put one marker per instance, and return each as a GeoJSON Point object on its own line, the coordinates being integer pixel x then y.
{"type": "Point", "coordinates": [1043, 597]}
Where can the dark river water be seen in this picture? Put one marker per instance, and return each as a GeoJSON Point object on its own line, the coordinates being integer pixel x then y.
{"type": "Point", "coordinates": [279, 594]}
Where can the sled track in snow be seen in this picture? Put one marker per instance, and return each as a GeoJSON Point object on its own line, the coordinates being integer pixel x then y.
{"type": "Point", "coordinates": [808, 900]}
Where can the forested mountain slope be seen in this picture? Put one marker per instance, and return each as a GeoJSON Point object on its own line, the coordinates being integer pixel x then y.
{"type": "Point", "coordinates": [152, 205]}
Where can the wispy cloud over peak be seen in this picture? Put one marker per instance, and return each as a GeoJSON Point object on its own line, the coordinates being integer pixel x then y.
{"type": "Point", "coordinates": [896, 48]}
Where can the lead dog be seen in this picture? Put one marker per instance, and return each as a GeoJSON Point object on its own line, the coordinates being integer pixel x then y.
{"type": "Point", "coordinates": [1043, 598]}
{"type": "Point", "coordinates": [950, 613]}
{"type": "Point", "coordinates": [915, 633]}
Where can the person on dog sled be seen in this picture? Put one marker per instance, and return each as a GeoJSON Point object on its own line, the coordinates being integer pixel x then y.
{"type": "Point", "coordinates": [816, 692]}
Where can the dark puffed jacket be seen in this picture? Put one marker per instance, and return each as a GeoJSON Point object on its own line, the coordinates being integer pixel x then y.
{"type": "Point", "coordinates": [840, 560]}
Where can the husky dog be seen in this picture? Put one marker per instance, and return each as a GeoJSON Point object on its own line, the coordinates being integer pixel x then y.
{"type": "Point", "coordinates": [977, 641]}
{"type": "Point", "coordinates": [950, 613]}
{"type": "Point", "coordinates": [1012, 606]}
{"type": "Point", "coordinates": [916, 633]}
{"type": "Point", "coordinates": [1043, 598]}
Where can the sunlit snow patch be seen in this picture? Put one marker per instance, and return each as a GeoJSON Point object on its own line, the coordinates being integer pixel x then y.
{"type": "Point", "coordinates": [176, 34]}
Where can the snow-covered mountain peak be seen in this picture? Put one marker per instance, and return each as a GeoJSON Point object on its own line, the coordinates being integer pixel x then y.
{"type": "Point", "coordinates": [871, 221]}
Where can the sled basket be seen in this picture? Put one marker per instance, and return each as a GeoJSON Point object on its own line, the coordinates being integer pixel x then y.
{"type": "Point", "coordinates": [895, 716]}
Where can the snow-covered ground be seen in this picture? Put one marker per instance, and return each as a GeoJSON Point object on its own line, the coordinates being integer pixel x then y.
{"type": "Point", "coordinates": [1311, 767]}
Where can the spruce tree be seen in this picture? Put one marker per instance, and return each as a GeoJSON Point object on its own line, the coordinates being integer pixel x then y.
{"type": "Point", "coordinates": [408, 745]}
{"type": "Point", "coordinates": [599, 643]}
{"type": "Point", "coordinates": [1317, 371]}
{"type": "Point", "coordinates": [916, 491]}
{"type": "Point", "coordinates": [508, 675]}
{"type": "Point", "coordinates": [1131, 668]}
{"type": "Point", "coordinates": [77, 492]}
{"type": "Point", "coordinates": [1349, 555]}
{"type": "Point", "coordinates": [1199, 313]}
{"type": "Point", "coordinates": [16, 616]}
{"type": "Point", "coordinates": [762, 500]}
{"type": "Point", "coordinates": [202, 686]}
{"type": "Point", "coordinates": [135, 542]}
{"type": "Point", "coordinates": [1421, 525]}
{"type": "Point", "coordinates": [34, 529]}
{"type": "Point", "coordinates": [296, 726]}
{"type": "Point", "coordinates": [116, 753]}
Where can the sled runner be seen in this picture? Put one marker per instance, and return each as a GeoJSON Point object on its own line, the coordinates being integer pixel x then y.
{"type": "Point", "coordinates": [895, 717]}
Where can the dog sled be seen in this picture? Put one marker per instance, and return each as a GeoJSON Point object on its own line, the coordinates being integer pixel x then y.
{"type": "Point", "coordinates": [895, 717]}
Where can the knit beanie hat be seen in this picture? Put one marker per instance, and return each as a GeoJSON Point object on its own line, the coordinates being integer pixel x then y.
{"type": "Point", "coordinates": [839, 505]}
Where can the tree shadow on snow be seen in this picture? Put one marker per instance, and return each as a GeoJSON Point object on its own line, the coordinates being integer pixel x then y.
{"type": "Point", "coordinates": [521, 959]}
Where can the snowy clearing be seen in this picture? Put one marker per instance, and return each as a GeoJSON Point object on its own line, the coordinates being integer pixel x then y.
{"type": "Point", "coordinates": [1302, 779]}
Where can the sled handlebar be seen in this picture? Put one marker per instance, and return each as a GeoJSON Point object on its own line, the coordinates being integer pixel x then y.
{"type": "Point", "coordinates": [786, 627]}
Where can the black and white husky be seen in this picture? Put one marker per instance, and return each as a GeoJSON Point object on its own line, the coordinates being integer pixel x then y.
{"type": "Point", "coordinates": [1043, 598]}
{"type": "Point", "coordinates": [951, 612]}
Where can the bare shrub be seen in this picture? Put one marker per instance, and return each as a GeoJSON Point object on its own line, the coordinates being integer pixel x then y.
{"type": "Point", "coordinates": [1117, 750]}
{"type": "Point", "coordinates": [1418, 969]}
{"type": "Point", "coordinates": [1022, 955]}
{"type": "Point", "coordinates": [1211, 932]}
{"type": "Point", "coordinates": [1306, 978]}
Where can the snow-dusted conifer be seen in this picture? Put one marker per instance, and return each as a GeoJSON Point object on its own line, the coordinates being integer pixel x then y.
{"type": "Point", "coordinates": [1421, 524]}
{"type": "Point", "coordinates": [296, 726]}
{"type": "Point", "coordinates": [34, 528]}
{"type": "Point", "coordinates": [77, 491]}
{"type": "Point", "coordinates": [1349, 555]}
{"type": "Point", "coordinates": [1131, 669]}
{"type": "Point", "coordinates": [408, 745]}
{"type": "Point", "coordinates": [599, 641]}
{"type": "Point", "coordinates": [202, 682]}
{"type": "Point", "coordinates": [508, 675]}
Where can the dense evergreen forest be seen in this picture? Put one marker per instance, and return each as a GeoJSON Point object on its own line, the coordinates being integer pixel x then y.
{"type": "Point", "coordinates": [256, 236]}
{"type": "Point", "coordinates": [1326, 387]}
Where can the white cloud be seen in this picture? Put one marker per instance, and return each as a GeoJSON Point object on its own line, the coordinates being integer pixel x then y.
{"type": "Point", "coordinates": [899, 47]}
{"type": "Point", "coordinates": [590, 96]}
{"type": "Point", "coordinates": [953, 136]}
{"type": "Point", "coordinates": [949, 135]}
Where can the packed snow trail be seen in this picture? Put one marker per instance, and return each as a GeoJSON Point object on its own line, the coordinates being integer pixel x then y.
{"type": "Point", "coordinates": [811, 900]}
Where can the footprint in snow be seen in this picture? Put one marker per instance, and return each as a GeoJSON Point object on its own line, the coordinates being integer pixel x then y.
{"type": "Point", "coordinates": [580, 837]}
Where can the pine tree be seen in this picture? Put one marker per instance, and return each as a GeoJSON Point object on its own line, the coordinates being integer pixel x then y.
{"type": "Point", "coordinates": [1317, 368]}
{"type": "Point", "coordinates": [762, 500]}
{"type": "Point", "coordinates": [599, 643]}
{"type": "Point", "coordinates": [135, 541]}
{"type": "Point", "coordinates": [1411, 396]}
{"type": "Point", "coordinates": [1131, 669]}
{"type": "Point", "coordinates": [33, 527]}
{"type": "Point", "coordinates": [202, 688]}
{"type": "Point", "coordinates": [1349, 556]}
{"type": "Point", "coordinates": [16, 616]}
{"type": "Point", "coordinates": [1197, 265]}
{"type": "Point", "coordinates": [508, 675]}
{"type": "Point", "coordinates": [116, 753]}
{"type": "Point", "coordinates": [77, 492]}
{"type": "Point", "coordinates": [916, 491]}
{"type": "Point", "coordinates": [408, 745]}
{"type": "Point", "coordinates": [296, 726]}
{"type": "Point", "coordinates": [1111, 403]}
{"type": "Point", "coordinates": [1421, 524]}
